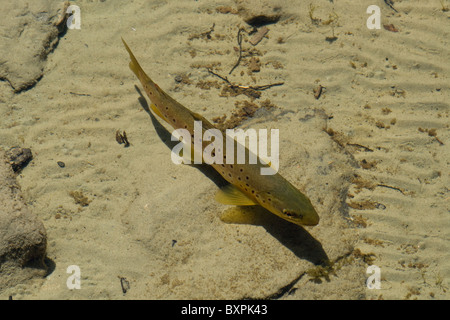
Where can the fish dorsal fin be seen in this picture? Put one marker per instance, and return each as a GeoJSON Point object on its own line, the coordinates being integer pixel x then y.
{"type": "Point", "coordinates": [233, 196]}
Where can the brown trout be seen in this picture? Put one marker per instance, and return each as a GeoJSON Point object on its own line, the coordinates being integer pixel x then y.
{"type": "Point", "coordinates": [247, 185]}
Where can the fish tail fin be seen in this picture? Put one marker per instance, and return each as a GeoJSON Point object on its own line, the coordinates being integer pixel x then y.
{"type": "Point", "coordinates": [134, 65]}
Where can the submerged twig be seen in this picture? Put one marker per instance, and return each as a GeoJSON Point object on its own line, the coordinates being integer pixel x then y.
{"type": "Point", "coordinates": [258, 88]}
{"type": "Point", "coordinates": [219, 76]}
{"type": "Point", "coordinates": [261, 88]}
{"type": "Point", "coordinates": [367, 149]}
{"type": "Point", "coordinates": [390, 3]}
{"type": "Point", "coordinates": [391, 187]}
{"type": "Point", "coordinates": [80, 94]}
{"type": "Point", "coordinates": [239, 39]}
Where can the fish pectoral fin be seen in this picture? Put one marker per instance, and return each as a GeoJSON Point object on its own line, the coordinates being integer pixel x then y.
{"type": "Point", "coordinates": [233, 196]}
{"type": "Point", "coordinates": [155, 110]}
{"type": "Point", "coordinates": [254, 215]}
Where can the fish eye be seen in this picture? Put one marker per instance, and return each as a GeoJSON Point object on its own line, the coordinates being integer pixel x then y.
{"type": "Point", "coordinates": [288, 213]}
{"type": "Point", "coordinates": [292, 214]}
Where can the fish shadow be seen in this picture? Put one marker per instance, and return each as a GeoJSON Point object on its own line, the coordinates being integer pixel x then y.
{"type": "Point", "coordinates": [294, 237]}
{"type": "Point", "coordinates": [297, 239]}
{"type": "Point", "coordinates": [165, 137]}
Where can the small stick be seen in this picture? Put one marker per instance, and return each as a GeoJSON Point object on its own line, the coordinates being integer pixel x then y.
{"type": "Point", "coordinates": [80, 94]}
{"type": "Point", "coordinates": [239, 39]}
{"type": "Point", "coordinates": [360, 146]}
{"type": "Point", "coordinates": [219, 76]}
{"type": "Point", "coordinates": [390, 187]}
{"type": "Point", "coordinates": [440, 142]}
{"type": "Point", "coordinates": [258, 88]}
{"type": "Point", "coordinates": [390, 3]}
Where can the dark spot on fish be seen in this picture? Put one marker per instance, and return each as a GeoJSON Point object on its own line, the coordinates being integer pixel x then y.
{"type": "Point", "coordinates": [247, 178]}
{"type": "Point", "coordinates": [61, 164]}
{"type": "Point", "coordinates": [229, 175]}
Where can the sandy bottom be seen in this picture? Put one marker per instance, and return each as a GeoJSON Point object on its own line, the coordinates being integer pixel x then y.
{"type": "Point", "coordinates": [371, 153]}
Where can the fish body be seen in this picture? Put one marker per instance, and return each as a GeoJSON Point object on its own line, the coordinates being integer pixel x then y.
{"type": "Point", "coordinates": [247, 185]}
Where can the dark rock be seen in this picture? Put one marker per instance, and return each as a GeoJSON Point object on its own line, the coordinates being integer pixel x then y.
{"type": "Point", "coordinates": [29, 32]}
{"type": "Point", "coordinates": [19, 157]}
{"type": "Point", "coordinates": [23, 239]}
{"type": "Point", "coordinates": [259, 13]}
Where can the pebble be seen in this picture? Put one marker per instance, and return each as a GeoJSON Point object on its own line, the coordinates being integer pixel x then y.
{"type": "Point", "coordinates": [178, 78]}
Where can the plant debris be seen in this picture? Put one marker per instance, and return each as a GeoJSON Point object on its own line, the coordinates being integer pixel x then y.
{"type": "Point", "coordinates": [122, 138]}
{"type": "Point", "coordinates": [235, 90]}
{"type": "Point", "coordinates": [390, 27]}
{"type": "Point", "coordinates": [80, 198]}
{"type": "Point", "coordinates": [204, 35]}
{"type": "Point", "coordinates": [254, 65]}
{"type": "Point", "coordinates": [363, 205]}
{"type": "Point", "coordinates": [258, 35]}
{"type": "Point", "coordinates": [19, 158]}
{"type": "Point", "coordinates": [125, 284]}
{"type": "Point", "coordinates": [226, 10]}
{"type": "Point", "coordinates": [318, 91]}
{"type": "Point", "coordinates": [244, 110]}
{"type": "Point", "coordinates": [431, 133]}
{"type": "Point", "coordinates": [390, 3]}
